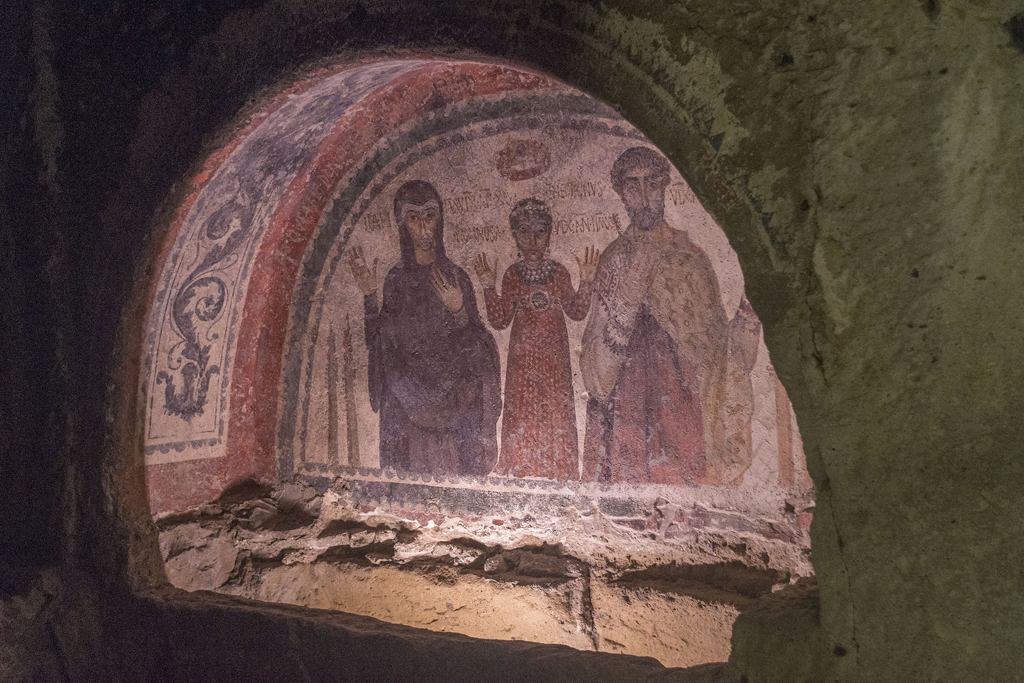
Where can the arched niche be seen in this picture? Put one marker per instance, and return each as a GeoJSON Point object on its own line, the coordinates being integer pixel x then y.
{"type": "Point", "coordinates": [259, 373]}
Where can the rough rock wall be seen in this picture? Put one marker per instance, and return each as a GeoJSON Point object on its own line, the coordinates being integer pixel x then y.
{"type": "Point", "coordinates": [581, 578]}
{"type": "Point", "coordinates": [915, 312]}
{"type": "Point", "coordinates": [873, 146]}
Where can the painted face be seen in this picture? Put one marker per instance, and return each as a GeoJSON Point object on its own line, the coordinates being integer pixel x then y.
{"type": "Point", "coordinates": [532, 234]}
{"type": "Point", "coordinates": [643, 193]}
{"type": "Point", "coordinates": [421, 222]}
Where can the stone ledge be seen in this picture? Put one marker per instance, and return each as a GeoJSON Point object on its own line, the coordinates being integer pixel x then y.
{"type": "Point", "coordinates": [223, 638]}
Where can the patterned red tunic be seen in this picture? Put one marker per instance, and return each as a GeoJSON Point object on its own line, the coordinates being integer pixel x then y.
{"type": "Point", "coordinates": [538, 433]}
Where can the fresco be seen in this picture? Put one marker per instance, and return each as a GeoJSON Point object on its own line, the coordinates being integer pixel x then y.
{"type": "Point", "coordinates": [200, 291]}
{"type": "Point", "coordinates": [462, 319]}
{"type": "Point", "coordinates": [521, 295]}
{"type": "Point", "coordinates": [455, 288]}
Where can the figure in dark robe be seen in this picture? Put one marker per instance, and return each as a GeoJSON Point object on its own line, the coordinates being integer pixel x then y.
{"type": "Point", "coordinates": [433, 368]}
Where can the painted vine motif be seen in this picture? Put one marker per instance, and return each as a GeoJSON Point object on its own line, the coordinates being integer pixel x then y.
{"type": "Point", "coordinates": [198, 305]}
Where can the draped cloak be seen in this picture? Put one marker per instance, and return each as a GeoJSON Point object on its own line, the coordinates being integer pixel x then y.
{"type": "Point", "coordinates": [653, 362]}
{"type": "Point", "coordinates": [434, 376]}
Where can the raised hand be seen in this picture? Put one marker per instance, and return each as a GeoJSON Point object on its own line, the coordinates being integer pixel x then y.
{"type": "Point", "coordinates": [588, 266]}
{"type": "Point", "coordinates": [366, 279]}
{"type": "Point", "coordinates": [450, 294]}
{"type": "Point", "coordinates": [488, 275]}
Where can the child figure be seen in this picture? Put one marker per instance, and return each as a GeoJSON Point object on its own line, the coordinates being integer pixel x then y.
{"type": "Point", "coordinates": [538, 433]}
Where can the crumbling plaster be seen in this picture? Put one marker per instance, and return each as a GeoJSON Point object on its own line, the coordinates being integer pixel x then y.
{"type": "Point", "coordinates": [867, 178]}
{"type": "Point", "coordinates": [653, 587]}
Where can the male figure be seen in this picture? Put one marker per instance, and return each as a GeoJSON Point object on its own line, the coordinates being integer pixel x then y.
{"type": "Point", "coordinates": [653, 352]}
{"type": "Point", "coordinates": [433, 366]}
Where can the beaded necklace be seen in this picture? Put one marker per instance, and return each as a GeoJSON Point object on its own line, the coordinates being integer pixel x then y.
{"type": "Point", "coordinates": [534, 277]}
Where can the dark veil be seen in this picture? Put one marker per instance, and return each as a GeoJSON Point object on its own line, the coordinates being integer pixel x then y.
{"type": "Point", "coordinates": [418, 192]}
{"type": "Point", "coordinates": [417, 354]}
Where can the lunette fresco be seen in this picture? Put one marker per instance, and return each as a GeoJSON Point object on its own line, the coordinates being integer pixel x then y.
{"type": "Point", "coordinates": [513, 303]}
{"type": "Point", "coordinates": [530, 292]}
